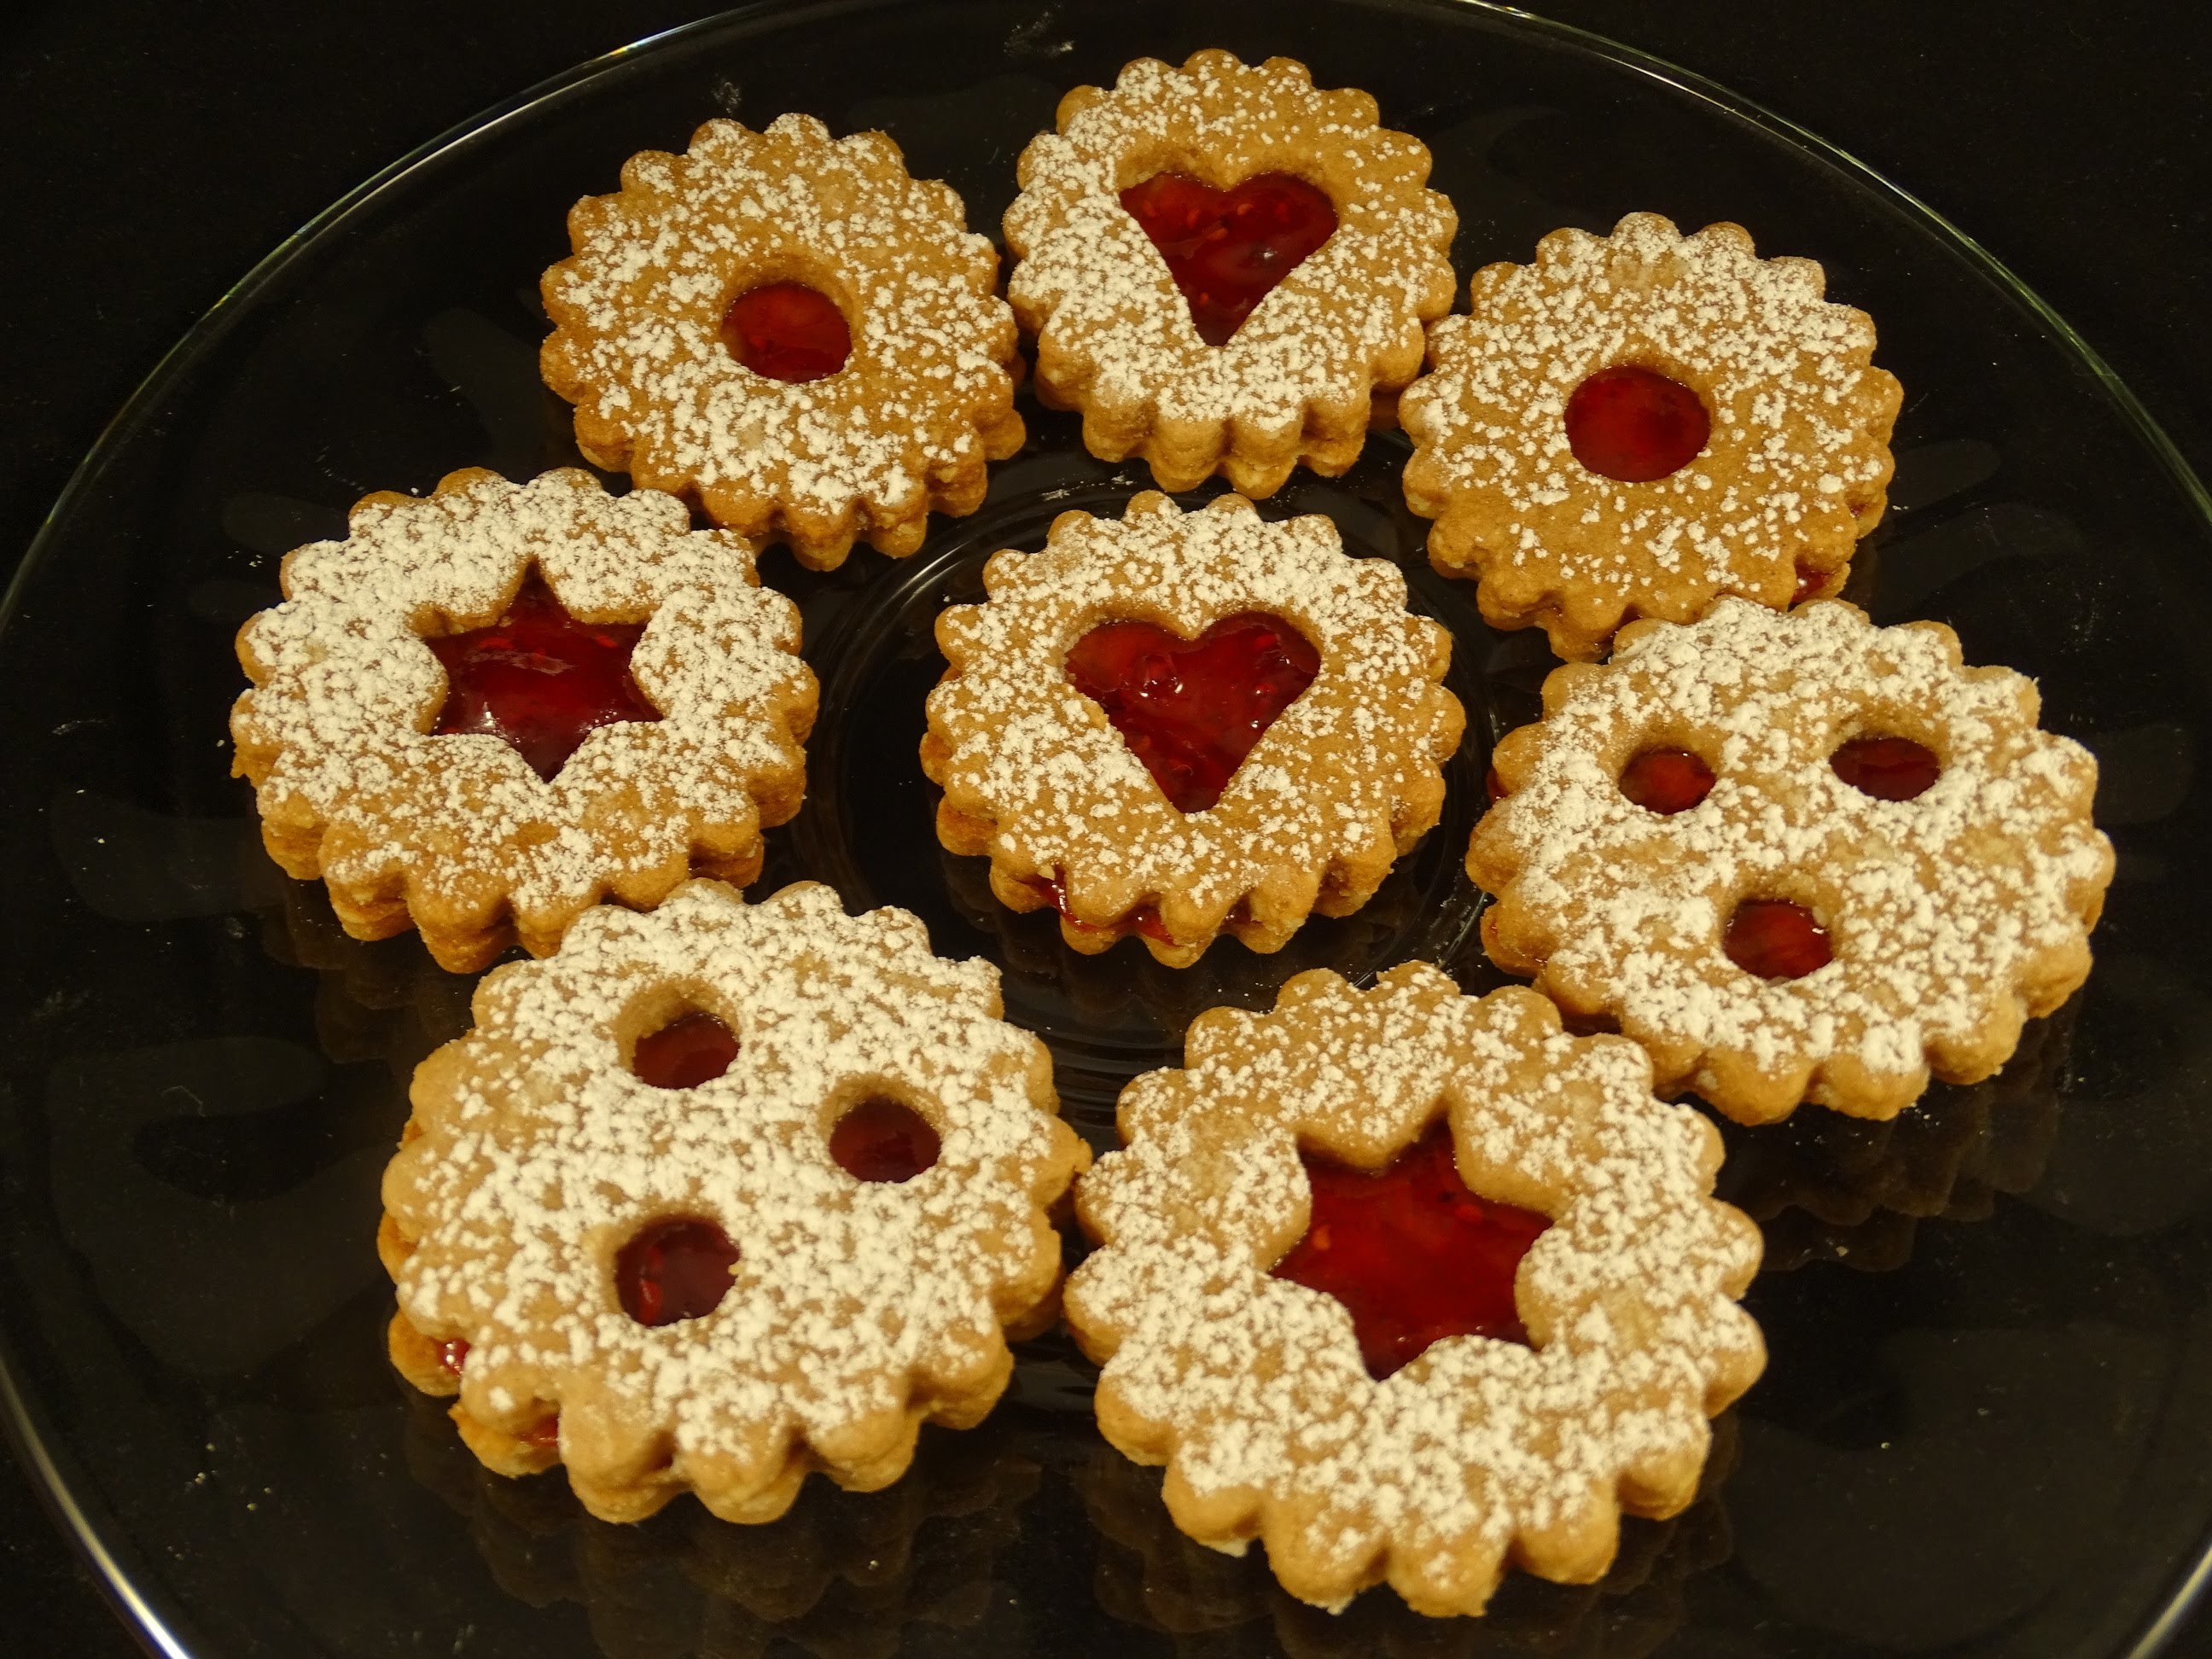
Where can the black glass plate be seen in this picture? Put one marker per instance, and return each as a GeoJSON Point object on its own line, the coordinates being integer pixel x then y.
{"type": "Point", "coordinates": [1987, 1426]}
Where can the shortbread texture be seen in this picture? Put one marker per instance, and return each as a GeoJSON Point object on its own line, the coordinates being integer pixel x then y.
{"type": "Point", "coordinates": [1251, 1388]}
{"type": "Point", "coordinates": [1953, 917]}
{"type": "Point", "coordinates": [858, 1311]}
{"type": "Point", "coordinates": [1034, 775]}
{"type": "Point", "coordinates": [1795, 472]}
{"type": "Point", "coordinates": [903, 430]}
{"type": "Point", "coordinates": [455, 835]}
{"type": "Point", "coordinates": [1298, 383]}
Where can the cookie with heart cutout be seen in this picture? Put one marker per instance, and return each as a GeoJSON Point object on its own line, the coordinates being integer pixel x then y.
{"type": "Point", "coordinates": [1176, 724]}
{"type": "Point", "coordinates": [1226, 269]}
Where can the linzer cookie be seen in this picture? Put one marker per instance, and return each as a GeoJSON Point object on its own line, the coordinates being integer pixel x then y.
{"type": "Point", "coordinates": [1796, 856]}
{"type": "Point", "coordinates": [722, 1194]}
{"type": "Point", "coordinates": [1179, 723]}
{"type": "Point", "coordinates": [1226, 269]}
{"type": "Point", "coordinates": [487, 709]}
{"type": "Point", "coordinates": [1639, 423]}
{"type": "Point", "coordinates": [789, 332]}
{"type": "Point", "coordinates": [1408, 1284]}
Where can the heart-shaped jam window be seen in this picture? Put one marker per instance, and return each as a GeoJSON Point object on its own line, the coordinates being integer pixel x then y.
{"type": "Point", "coordinates": [1227, 249]}
{"type": "Point", "coordinates": [540, 678]}
{"type": "Point", "coordinates": [1413, 1255]}
{"type": "Point", "coordinates": [1192, 709]}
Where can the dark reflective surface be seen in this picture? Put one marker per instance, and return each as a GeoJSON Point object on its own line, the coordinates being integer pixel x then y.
{"type": "Point", "coordinates": [1986, 1423]}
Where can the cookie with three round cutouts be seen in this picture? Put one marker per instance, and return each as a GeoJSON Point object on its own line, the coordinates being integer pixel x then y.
{"type": "Point", "coordinates": [723, 1193]}
{"type": "Point", "coordinates": [1796, 856]}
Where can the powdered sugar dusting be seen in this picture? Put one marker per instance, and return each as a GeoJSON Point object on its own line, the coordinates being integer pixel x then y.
{"type": "Point", "coordinates": [1951, 915]}
{"type": "Point", "coordinates": [1348, 772]}
{"type": "Point", "coordinates": [855, 1306]}
{"type": "Point", "coordinates": [1252, 1388]}
{"type": "Point", "coordinates": [1115, 332]}
{"type": "Point", "coordinates": [337, 732]}
{"type": "Point", "coordinates": [1794, 470]}
{"type": "Point", "coordinates": [905, 425]}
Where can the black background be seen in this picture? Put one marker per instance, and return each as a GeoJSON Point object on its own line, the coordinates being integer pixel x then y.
{"type": "Point", "coordinates": [150, 153]}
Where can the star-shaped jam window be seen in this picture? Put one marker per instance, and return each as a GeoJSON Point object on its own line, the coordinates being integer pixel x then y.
{"type": "Point", "coordinates": [540, 679]}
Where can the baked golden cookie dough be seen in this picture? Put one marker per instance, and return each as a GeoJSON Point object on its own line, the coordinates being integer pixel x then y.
{"type": "Point", "coordinates": [1249, 150]}
{"type": "Point", "coordinates": [1872, 864]}
{"type": "Point", "coordinates": [1639, 351]}
{"type": "Point", "coordinates": [461, 834]}
{"type": "Point", "coordinates": [694, 1283]}
{"type": "Point", "coordinates": [651, 338]}
{"type": "Point", "coordinates": [1258, 1391]}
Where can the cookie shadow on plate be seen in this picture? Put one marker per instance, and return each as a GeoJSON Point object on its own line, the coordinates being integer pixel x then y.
{"type": "Point", "coordinates": [1828, 1187]}
{"type": "Point", "coordinates": [1214, 1605]}
{"type": "Point", "coordinates": [375, 999]}
{"type": "Point", "coordinates": [842, 1576]}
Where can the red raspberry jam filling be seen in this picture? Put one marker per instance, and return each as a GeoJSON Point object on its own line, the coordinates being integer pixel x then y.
{"type": "Point", "coordinates": [678, 1267]}
{"type": "Point", "coordinates": [455, 1353]}
{"type": "Point", "coordinates": [787, 332]}
{"type": "Point", "coordinates": [880, 1140]}
{"type": "Point", "coordinates": [1192, 709]}
{"type": "Point", "coordinates": [1666, 781]}
{"type": "Point", "coordinates": [1776, 939]}
{"type": "Point", "coordinates": [1227, 249]}
{"type": "Point", "coordinates": [1412, 1253]}
{"type": "Point", "coordinates": [1631, 424]}
{"type": "Point", "coordinates": [540, 678]}
{"type": "Point", "coordinates": [1145, 919]}
{"type": "Point", "coordinates": [1809, 582]}
{"type": "Point", "coordinates": [691, 1049]}
{"type": "Point", "coordinates": [1888, 769]}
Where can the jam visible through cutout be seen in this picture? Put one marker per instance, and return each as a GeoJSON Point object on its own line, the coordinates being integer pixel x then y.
{"type": "Point", "coordinates": [1632, 424]}
{"type": "Point", "coordinates": [787, 332]}
{"type": "Point", "coordinates": [1145, 919]}
{"type": "Point", "coordinates": [1888, 769]}
{"type": "Point", "coordinates": [1227, 249]}
{"type": "Point", "coordinates": [1192, 709]}
{"type": "Point", "coordinates": [1776, 939]}
{"type": "Point", "coordinates": [1666, 781]}
{"type": "Point", "coordinates": [678, 1267]}
{"type": "Point", "coordinates": [1412, 1253]}
{"type": "Point", "coordinates": [882, 1140]}
{"type": "Point", "coordinates": [540, 678]}
{"type": "Point", "coordinates": [545, 1432]}
{"type": "Point", "coordinates": [691, 1049]}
